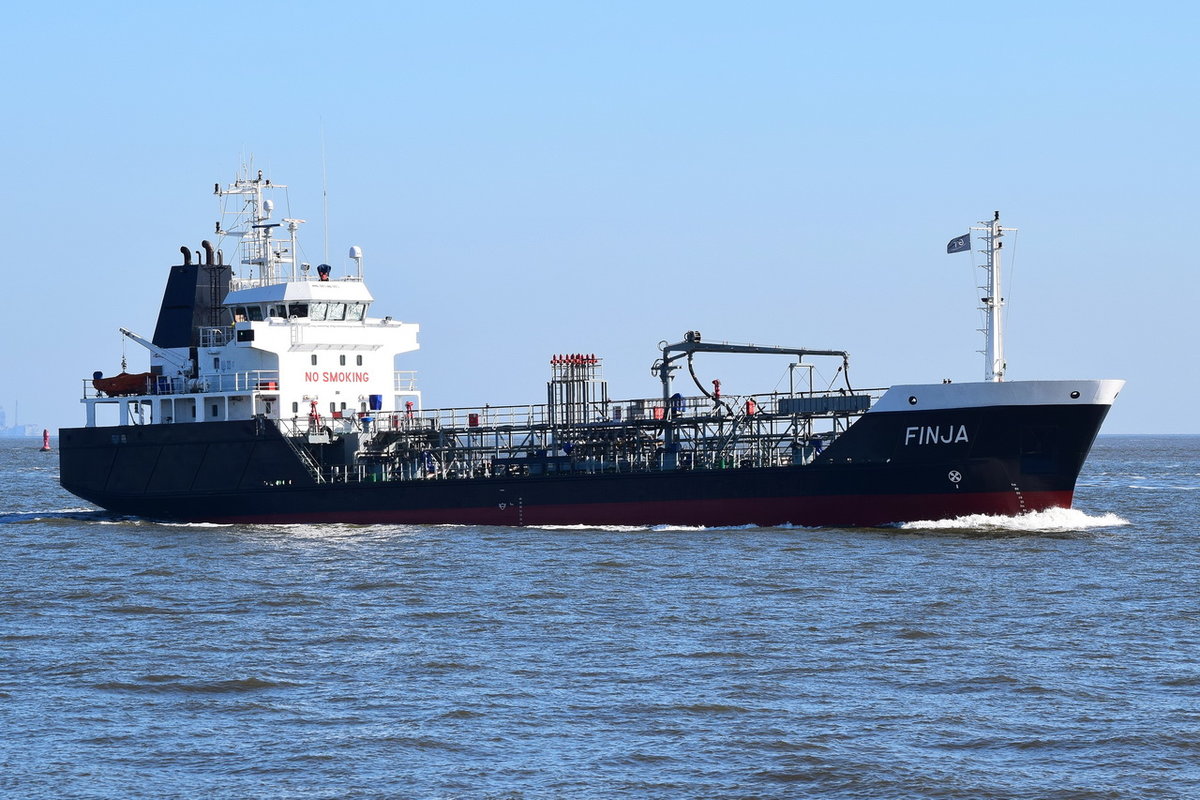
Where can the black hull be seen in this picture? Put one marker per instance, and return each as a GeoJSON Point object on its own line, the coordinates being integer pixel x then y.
{"type": "Point", "coordinates": [991, 460]}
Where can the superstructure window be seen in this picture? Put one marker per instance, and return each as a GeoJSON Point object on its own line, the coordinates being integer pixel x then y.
{"type": "Point", "coordinates": [314, 359]}
{"type": "Point", "coordinates": [355, 311]}
{"type": "Point", "coordinates": [342, 360]}
{"type": "Point", "coordinates": [255, 313]}
{"type": "Point", "coordinates": [337, 311]}
{"type": "Point", "coordinates": [298, 310]}
{"type": "Point", "coordinates": [358, 359]}
{"type": "Point", "coordinates": [317, 311]}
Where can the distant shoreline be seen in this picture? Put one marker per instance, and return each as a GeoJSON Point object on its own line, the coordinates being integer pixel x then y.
{"type": "Point", "coordinates": [1114, 435]}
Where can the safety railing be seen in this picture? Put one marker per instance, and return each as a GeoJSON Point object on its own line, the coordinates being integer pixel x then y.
{"type": "Point", "coordinates": [405, 381]}
{"type": "Point", "coordinates": [734, 432]}
{"type": "Point", "coordinates": [259, 380]}
{"type": "Point", "coordinates": [215, 337]}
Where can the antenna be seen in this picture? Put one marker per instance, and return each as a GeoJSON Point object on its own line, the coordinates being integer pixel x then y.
{"type": "Point", "coordinates": [324, 193]}
{"type": "Point", "coordinates": [251, 210]}
{"type": "Point", "coordinates": [293, 225]}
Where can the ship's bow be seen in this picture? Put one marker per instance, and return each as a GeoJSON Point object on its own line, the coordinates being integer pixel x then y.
{"type": "Point", "coordinates": [992, 448]}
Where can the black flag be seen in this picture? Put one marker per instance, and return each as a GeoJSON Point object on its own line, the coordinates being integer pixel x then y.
{"type": "Point", "coordinates": [959, 244]}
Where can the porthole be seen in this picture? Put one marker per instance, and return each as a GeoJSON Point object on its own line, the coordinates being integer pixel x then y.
{"type": "Point", "coordinates": [1075, 395]}
{"type": "Point", "coordinates": [912, 400]}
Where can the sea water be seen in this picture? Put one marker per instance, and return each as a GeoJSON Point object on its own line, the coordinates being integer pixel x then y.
{"type": "Point", "coordinates": [1048, 656]}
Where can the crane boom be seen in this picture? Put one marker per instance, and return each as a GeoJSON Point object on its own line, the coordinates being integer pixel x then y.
{"type": "Point", "coordinates": [184, 364]}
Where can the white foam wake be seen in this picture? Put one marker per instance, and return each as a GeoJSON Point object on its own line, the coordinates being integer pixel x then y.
{"type": "Point", "coordinates": [651, 528]}
{"type": "Point", "coordinates": [1052, 520]}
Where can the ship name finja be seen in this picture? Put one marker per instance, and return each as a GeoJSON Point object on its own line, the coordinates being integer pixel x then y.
{"type": "Point", "coordinates": [935, 434]}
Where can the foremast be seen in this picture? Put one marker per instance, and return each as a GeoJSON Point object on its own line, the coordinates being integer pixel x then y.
{"type": "Point", "coordinates": [993, 299]}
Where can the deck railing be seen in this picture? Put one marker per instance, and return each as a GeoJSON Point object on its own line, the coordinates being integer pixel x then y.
{"type": "Point", "coordinates": [158, 385]}
{"type": "Point", "coordinates": [762, 430]}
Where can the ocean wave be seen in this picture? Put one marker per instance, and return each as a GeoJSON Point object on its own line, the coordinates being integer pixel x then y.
{"type": "Point", "coordinates": [713, 528]}
{"type": "Point", "coordinates": [654, 528]}
{"type": "Point", "coordinates": [1163, 487]}
{"type": "Point", "coordinates": [1052, 520]}
{"type": "Point", "coordinates": [610, 528]}
{"type": "Point", "coordinates": [158, 684]}
{"type": "Point", "coordinates": [72, 514]}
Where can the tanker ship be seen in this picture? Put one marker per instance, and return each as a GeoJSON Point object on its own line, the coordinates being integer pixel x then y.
{"type": "Point", "coordinates": [272, 395]}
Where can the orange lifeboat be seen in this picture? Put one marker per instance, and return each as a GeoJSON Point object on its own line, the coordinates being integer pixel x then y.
{"type": "Point", "coordinates": [123, 384]}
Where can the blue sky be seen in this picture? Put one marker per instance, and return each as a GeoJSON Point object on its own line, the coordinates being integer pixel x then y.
{"type": "Point", "coordinates": [528, 179]}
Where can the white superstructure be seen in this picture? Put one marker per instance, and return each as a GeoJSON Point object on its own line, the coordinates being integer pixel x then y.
{"type": "Point", "coordinates": [285, 342]}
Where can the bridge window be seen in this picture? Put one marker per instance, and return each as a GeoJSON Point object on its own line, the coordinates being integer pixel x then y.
{"type": "Point", "coordinates": [337, 311]}
{"type": "Point", "coordinates": [317, 311]}
{"type": "Point", "coordinates": [355, 311]}
{"type": "Point", "coordinates": [298, 310]}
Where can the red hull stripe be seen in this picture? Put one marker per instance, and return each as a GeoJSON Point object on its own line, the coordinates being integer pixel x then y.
{"type": "Point", "coordinates": [840, 510]}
